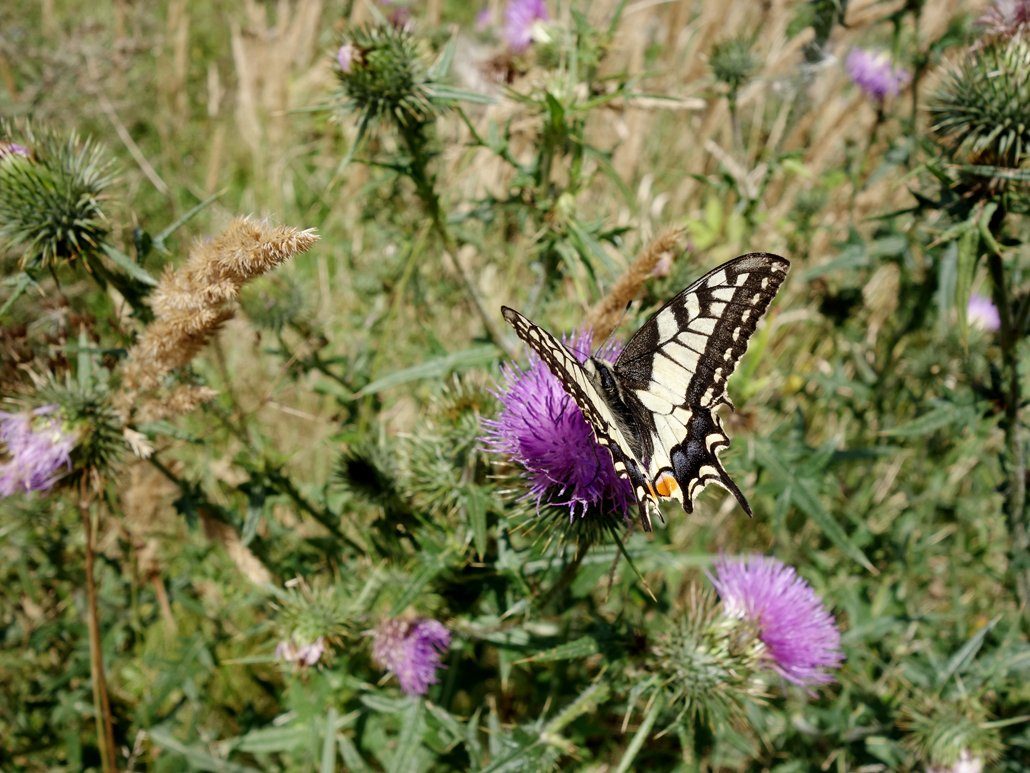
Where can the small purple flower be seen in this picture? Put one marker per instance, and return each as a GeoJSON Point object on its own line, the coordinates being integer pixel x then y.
{"type": "Point", "coordinates": [541, 427]}
{"type": "Point", "coordinates": [411, 649]}
{"type": "Point", "coordinates": [305, 654]}
{"type": "Point", "coordinates": [982, 314]}
{"type": "Point", "coordinates": [874, 73]}
{"type": "Point", "coordinates": [12, 149]}
{"type": "Point", "coordinates": [800, 635]}
{"type": "Point", "coordinates": [520, 17]}
{"type": "Point", "coordinates": [38, 450]}
{"type": "Point", "coordinates": [1006, 17]}
{"type": "Point", "coordinates": [345, 57]}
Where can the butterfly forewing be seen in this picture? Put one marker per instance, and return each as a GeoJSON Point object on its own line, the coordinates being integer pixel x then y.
{"type": "Point", "coordinates": [677, 365]}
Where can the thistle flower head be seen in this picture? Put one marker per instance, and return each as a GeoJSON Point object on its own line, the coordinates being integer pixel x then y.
{"type": "Point", "coordinates": [542, 429]}
{"type": "Point", "coordinates": [411, 650]}
{"type": "Point", "coordinates": [38, 449]}
{"type": "Point", "coordinates": [521, 20]}
{"type": "Point", "coordinates": [309, 620]}
{"type": "Point", "coordinates": [982, 314]}
{"type": "Point", "coordinates": [50, 199]}
{"type": "Point", "coordinates": [800, 636]}
{"type": "Point", "coordinates": [979, 112]}
{"type": "Point", "coordinates": [733, 62]}
{"type": "Point", "coordinates": [952, 736]}
{"type": "Point", "coordinates": [709, 672]}
{"type": "Point", "coordinates": [1006, 18]}
{"type": "Point", "coordinates": [382, 72]}
{"type": "Point", "coordinates": [875, 74]}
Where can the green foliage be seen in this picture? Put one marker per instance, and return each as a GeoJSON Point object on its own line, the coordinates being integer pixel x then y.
{"type": "Point", "coordinates": [339, 478]}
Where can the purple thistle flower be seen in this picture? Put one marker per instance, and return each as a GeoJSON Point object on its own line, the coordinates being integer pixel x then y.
{"type": "Point", "coordinates": [541, 427]}
{"type": "Point", "coordinates": [304, 655]}
{"type": "Point", "coordinates": [520, 16]}
{"type": "Point", "coordinates": [1006, 17]}
{"type": "Point", "coordinates": [38, 447]}
{"type": "Point", "coordinates": [411, 649]}
{"type": "Point", "coordinates": [982, 314]}
{"type": "Point", "coordinates": [800, 636]}
{"type": "Point", "coordinates": [874, 73]}
{"type": "Point", "coordinates": [345, 57]}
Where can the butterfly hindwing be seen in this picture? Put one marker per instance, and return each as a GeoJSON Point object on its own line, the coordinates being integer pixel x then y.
{"type": "Point", "coordinates": [655, 407]}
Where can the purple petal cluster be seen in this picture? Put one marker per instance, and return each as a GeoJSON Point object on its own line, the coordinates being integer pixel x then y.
{"type": "Point", "coordinates": [982, 313]}
{"type": "Point", "coordinates": [520, 16]}
{"type": "Point", "coordinates": [800, 636]}
{"type": "Point", "coordinates": [345, 57]}
{"type": "Point", "coordinates": [38, 450]}
{"type": "Point", "coordinates": [303, 654]}
{"type": "Point", "coordinates": [875, 74]}
{"type": "Point", "coordinates": [543, 430]}
{"type": "Point", "coordinates": [411, 650]}
{"type": "Point", "coordinates": [1006, 17]}
{"type": "Point", "coordinates": [12, 149]}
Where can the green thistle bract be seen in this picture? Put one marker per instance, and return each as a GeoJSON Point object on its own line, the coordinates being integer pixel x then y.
{"type": "Point", "coordinates": [50, 200]}
{"type": "Point", "coordinates": [980, 112]}
{"type": "Point", "coordinates": [951, 731]}
{"type": "Point", "coordinates": [709, 663]}
{"type": "Point", "coordinates": [385, 76]}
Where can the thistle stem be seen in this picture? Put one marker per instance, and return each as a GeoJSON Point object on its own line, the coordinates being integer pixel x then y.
{"type": "Point", "coordinates": [418, 170]}
{"type": "Point", "coordinates": [101, 703]}
{"type": "Point", "coordinates": [1014, 459]}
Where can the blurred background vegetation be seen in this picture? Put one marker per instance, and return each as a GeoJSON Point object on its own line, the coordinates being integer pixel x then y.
{"type": "Point", "coordinates": [335, 474]}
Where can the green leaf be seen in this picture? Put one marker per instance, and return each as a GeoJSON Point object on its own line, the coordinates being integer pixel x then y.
{"type": "Point", "coordinates": [967, 652]}
{"type": "Point", "coordinates": [808, 502]}
{"type": "Point", "coordinates": [408, 745]}
{"type": "Point", "coordinates": [942, 416]}
{"type": "Point", "coordinates": [436, 368]}
{"type": "Point", "coordinates": [583, 647]}
{"type": "Point", "coordinates": [129, 266]}
{"type": "Point", "coordinates": [641, 736]}
{"type": "Point", "coordinates": [328, 764]}
{"type": "Point", "coordinates": [198, 758]}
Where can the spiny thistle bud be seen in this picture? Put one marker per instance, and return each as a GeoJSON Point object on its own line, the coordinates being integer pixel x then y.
{"type": "Point", "coordinates": [272, 302]}
{"type": "Point", "coordinates": [51, 190]}
{"type": "Point", "coordinates": [979, 112]}
{"type": "Point", "coordinates": [733, 63]}
{"type": "Point", "coordinates": [710, 671]}
{"type": "Point", "coordinates": [382, 71]}
{"type": "Point", "coordinates": [309, 621]}
{"type": "Point", "coordinates": [75, 435]}
{"type": "Point", "coordinates": [952, 736]}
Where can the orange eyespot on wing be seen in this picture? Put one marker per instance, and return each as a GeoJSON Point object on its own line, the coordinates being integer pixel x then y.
{"type": "Point", "coordinates": [667, 485]}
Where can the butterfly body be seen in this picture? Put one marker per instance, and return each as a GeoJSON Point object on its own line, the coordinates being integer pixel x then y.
{"type": "Point", "coordinates": [654, 408]}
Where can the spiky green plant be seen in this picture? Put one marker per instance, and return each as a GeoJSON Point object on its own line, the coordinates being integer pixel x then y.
{"type": "Point", "coordinates": [951, 731]}
{"type": "Point", "coordinates": [733, 62]}
{"type": "Point", "coordinates": [383, 74]}
{"type": "Point", "coordinates": [100, 440]}
{"type": "Point", "coordinates": [979, 112]}
{"type": "Point", "coordinates": [51, 199]}
{"type": "Point", "coordinates": [708, 663]}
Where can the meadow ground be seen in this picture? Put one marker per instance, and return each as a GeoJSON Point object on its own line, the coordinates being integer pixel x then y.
{"type": "Point", "coordinates": [280, 489]}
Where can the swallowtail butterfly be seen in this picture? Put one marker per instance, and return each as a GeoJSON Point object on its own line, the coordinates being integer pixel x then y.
{"type": "Point", "coordinates": [654, 407]}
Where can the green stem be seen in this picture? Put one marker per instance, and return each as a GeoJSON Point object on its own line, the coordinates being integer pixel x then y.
{"type": "Point", "coordinates": [101, 702]}
{"type": "Point", "coordinates": [419, 173]}
{"type": "Point", "coordinates": [1015, 461]}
